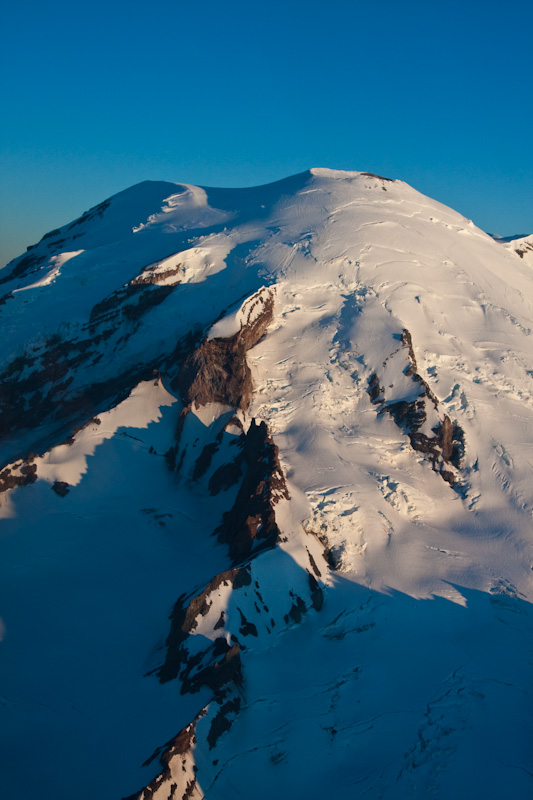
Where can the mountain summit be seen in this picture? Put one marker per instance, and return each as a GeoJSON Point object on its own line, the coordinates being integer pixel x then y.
{"type": "Point", "coordinates": [266, 498]}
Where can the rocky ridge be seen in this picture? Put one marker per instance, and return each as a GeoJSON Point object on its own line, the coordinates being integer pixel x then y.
{"type": "Point", "coordinates": [232, 610]}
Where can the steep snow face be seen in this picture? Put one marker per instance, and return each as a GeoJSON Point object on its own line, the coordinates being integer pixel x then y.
{"type": "Point", "coordinates": [288, 434]}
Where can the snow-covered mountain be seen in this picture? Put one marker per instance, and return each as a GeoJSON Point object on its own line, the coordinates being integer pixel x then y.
{"type": "Point", "coordinates": [266, 499]}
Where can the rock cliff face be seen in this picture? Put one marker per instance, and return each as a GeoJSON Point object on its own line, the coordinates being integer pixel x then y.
{"type": "Point", "coordinates": [178, 768]}
{"type": "Point", "coordinates": [217, 371]}
{"type": "Point", "coordinates": [250, 525]}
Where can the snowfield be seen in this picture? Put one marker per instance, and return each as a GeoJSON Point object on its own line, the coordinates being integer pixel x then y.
{"type": "Point", "coordinates": [266, 507]}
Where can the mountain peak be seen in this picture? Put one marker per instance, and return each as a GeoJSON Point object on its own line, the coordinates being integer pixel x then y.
{"type": "Point", "coordinates": [266, 463]}
{"type": "Point", "coordinates": [339, 174]}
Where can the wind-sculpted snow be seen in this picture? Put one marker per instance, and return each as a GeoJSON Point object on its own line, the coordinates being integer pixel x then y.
{"type": "Point", "coordinates": [230, 564]}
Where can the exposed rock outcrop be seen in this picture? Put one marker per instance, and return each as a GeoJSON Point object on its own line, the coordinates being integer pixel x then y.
{"type": "Point", "coordinates": [26, 266]}
{"type": "Point", "coordinates": [378, 177]}
{"type": "Point", "coordinates": [178, 770]}
{"type": "Point", "coordinates": [211, 629]}
{"type": "Point", "coordinates": [39, 388]}
{"type": "Point", "coordinates": [251, 523]}
{"type": "Point", "coordinates": [155, 274]}
{"type": "Point", "coordinates": [61, 488]}
{"type": "Point", "coordinates": [22, 473]}
{"type": "Point", "coordinates": [129, 303]}
{"type": "Point", "coordinates": [223, 719]}
{"type": "Point", "coordinates": [40, 385]}
{"type": "Point", "coordinates": [429, 430]}
{"type": "Point", "coordinates": [183, 621]}
{"type": "Point", "coordinates": [217, 371]}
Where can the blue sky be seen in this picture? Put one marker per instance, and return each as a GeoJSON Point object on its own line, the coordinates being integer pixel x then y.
{"type": "Point", "coordinates": [98, 96]}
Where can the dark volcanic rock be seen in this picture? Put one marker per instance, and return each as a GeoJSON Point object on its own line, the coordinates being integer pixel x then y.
{"type": "Point", "coordinates": [247, 628]}
{"type": "Point", "coordinates": [183, 620]}
{"type": "Point", "coordinates": [203, 461]}
{"type": "Point", "coordinates": [251, 522]}
{"type": "Point", "coordinates": [153, 275]}
{"type": "Point", "coordinates": [61, 488]}
{"type": "Point", "coordinates": [5, 297]}
{"type": "Point", "coordinates": [220, 722]}
{"type": "Point", "coordinates": [317, 595]}
{"type": "Point", "coordinates": [225, 477]}
{"type": "Point", "coordinates": [379, 177]}
{"type": "Point", "coordinates": [178, 747]}
{"type": "Point", "coordinates": [409, 416]}
{"type": "Point", "coordinates": [297, 611]}
{"type": "Point", "coordinates": [28, 264]}
{"type": "Point", "coordinates": [217, 372]}
{"type": "Point", "coordinates": [119, 306]}
{"type": "Point", "coordinates": [27, 474]}
{"type": "Point", "coordinates": [374, 389]}
{"type": "Point", "coordinates": [37, 387]}
{"type": "Point", "coordinates": [446, 446]}
{"type": "Point", "coordinates": [224, 667]}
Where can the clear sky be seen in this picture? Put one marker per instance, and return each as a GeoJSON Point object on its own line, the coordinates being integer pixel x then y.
{"type": "Point", "coordinates": [97, 96]}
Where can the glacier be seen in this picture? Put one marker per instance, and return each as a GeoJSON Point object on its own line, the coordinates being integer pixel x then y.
{"type": "Point", "coordinates": [266, 498]}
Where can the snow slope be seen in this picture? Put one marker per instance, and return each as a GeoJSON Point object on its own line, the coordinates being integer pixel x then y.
{"type": "Point", "coordinates": [288, 431]}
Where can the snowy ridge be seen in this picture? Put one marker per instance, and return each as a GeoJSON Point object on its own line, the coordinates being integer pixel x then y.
{"type": "Point", "coordinates": [523, 247]}
{"type": "Point", "coordinates": [288, 433]}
